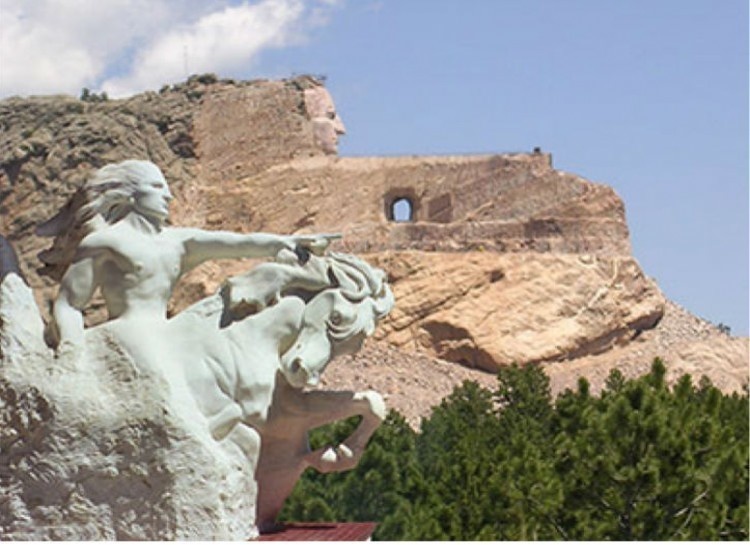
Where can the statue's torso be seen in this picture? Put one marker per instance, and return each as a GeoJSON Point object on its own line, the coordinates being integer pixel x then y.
{"type": "Point", "coordinates": [136, 271]}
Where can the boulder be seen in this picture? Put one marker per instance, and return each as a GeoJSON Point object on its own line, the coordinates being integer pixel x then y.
{"type": "Point", "coordinates": [102, 450]}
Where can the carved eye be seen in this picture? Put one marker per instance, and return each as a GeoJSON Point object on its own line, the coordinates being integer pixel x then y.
{"type": "Point", "coordinates": [335, 318]}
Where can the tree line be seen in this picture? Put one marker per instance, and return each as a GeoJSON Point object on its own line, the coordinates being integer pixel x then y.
{"type": "Point", "coordinates": [641, 461]}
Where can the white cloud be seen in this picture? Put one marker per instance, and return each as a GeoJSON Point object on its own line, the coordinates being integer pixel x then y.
{"type": "Point", "coordinates": [48, 46]}
{"type": "Point", "coordinates": [220, 41]}
{"type": "Point", "coordinates": [126, 46]}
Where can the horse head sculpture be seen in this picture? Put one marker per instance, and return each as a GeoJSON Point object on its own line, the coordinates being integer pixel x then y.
{"type": "Point", "coordinates": [337, 320]}
{"type": "Point", "coordinates": [247, 353]}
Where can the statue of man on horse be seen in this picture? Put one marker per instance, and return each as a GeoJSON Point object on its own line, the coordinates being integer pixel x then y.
{"type": "Point", "coordinates": [243, 360]}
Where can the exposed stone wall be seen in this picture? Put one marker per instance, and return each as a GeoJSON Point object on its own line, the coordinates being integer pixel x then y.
{"type": "Point", "coordinates": [589, 236]}
{"type": "Point", "coordinates": [484, 310]}
{"type": "Point", "coordinates": [243, 156]}
{"type": "Point", "coordinates": [243, 130]}
{"type": "Point", "coordinates": [546, 211]}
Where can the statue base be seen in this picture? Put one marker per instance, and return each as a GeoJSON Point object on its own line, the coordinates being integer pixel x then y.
{"type": "Point", "coordinates": [321, 531]}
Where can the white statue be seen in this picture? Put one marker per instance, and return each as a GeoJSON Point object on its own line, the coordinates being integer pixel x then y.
{"type": "Point", "coordinates": [251, 377]}
{"type": "Point", "coordinates": [133, 257]}
{"type": "Point", "coordinates": [243, 357]}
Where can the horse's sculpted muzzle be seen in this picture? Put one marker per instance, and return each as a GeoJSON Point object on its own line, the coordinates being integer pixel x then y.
{"type": "Point", "coordinates": [298, 375]}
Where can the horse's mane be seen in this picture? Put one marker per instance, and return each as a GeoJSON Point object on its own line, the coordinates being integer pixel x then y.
{"type": "Point", "coordinates": [358, 281]}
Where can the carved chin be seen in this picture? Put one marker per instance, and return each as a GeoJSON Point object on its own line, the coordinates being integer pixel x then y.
{"type": "Point", "coordinates": [325, 136]}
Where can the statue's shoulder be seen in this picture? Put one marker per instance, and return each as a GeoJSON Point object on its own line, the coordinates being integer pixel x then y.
{"type": "Point", "coordinates": [101, 239]}
{"type": "Point", "coordinates": [110, 240]}
{"type": "Point", "coordinates": [180, 233]}
{"type": "Point", "coordinates": [179, 237]}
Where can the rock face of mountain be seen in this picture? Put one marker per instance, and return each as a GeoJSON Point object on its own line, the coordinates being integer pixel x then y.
{"type": "Point", "coordinates": [493, 260]}
{"type": "Point", "coordinates": [503, 258]}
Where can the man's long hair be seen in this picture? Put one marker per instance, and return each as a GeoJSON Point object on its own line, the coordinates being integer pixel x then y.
{"type": "Point", "coordinates": [105, 198]}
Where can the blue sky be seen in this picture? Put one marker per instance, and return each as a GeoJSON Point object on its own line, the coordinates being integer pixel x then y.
{"type": "Point", "coordinates": [649, 97]}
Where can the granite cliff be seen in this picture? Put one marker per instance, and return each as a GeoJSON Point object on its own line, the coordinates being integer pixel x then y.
{"type": "Point", "coordinates": [503, 258]}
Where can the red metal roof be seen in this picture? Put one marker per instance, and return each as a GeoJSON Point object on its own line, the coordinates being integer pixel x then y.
{"type": "Point", "coordinates": [321, 531]}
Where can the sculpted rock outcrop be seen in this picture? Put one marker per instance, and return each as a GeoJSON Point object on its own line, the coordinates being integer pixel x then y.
{"type": "Point", "coordinates": [99, 452]}
{"type": "Point", "coordinates": [502, 203]}
{"type": "Point", "coordinates": [526, 208]}
{"type": "Point", "coordinates": [258, 156]}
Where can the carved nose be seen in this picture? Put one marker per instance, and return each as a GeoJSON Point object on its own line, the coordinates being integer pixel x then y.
{"type": "Point", "coordinates": [338, 126]}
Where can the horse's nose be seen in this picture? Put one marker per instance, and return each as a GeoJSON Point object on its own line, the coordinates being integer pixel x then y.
{"type": "Point", "coordinates": [296, 365]}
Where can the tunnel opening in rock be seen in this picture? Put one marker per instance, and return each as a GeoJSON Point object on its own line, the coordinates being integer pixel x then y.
{"type": "Point", "coordinates": [402, 210]}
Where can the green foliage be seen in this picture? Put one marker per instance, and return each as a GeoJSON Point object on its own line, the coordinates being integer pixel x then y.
{"type": "Point", "coordinates": [724, 328]}
{"type": "Point", "coordinates": [384, 482]}
{"type": "Point", "coordinates": [639, 462]}
{"type": "Point", "coordinates": [88, 96]}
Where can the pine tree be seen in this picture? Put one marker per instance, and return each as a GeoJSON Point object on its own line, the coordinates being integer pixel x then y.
{"type": "Point", "coordinates": [641, 461]}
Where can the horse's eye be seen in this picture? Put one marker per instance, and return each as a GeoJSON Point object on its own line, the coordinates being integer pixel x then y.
{"type": "Point", "coordinates": [335, 318]}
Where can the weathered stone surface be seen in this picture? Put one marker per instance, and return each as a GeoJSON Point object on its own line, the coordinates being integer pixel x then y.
{"type": "Point", "coordinates": [505, 203]}
{"type": "Point", "coordinates": [486, 310]}
{"type": "Point", "coordinates": [686, 344]}
{"type": "Point", "coordinates": [414, 382]}
{"type": "Point", "coordinates": [242, 130]}
{"type": "Point", "coordinates": [102, 450]}
{"type": "Point", "coordinates": [506, 259]}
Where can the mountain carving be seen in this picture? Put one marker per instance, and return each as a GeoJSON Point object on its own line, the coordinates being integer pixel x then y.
{"type": "Point", "coordinates": [503, 259]}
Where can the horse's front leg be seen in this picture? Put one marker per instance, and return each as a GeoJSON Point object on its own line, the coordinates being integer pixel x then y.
{"type": "Point", "coordinates": [325, 407]}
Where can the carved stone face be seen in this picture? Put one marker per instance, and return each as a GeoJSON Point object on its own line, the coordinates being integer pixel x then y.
{"type": "Point", "coordinates": [153, 196]}
{"type": "Point", "coordinates": [327, 125]}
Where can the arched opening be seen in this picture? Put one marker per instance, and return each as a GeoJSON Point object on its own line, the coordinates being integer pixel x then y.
{"type": "Point", "coordinates": [401, 204]}
{"type": "Point", "coordinates": [402, 210]}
